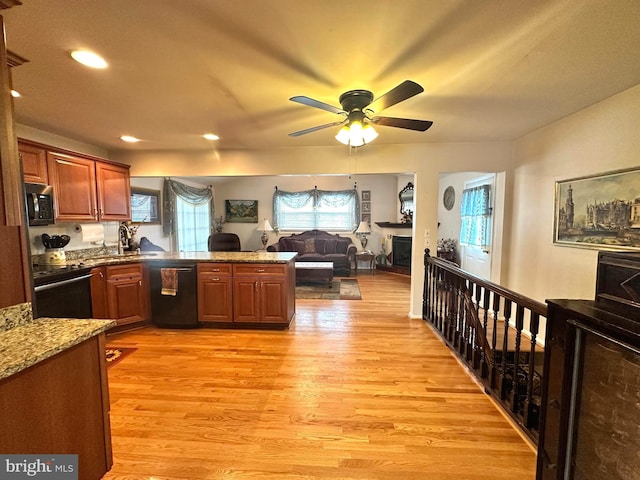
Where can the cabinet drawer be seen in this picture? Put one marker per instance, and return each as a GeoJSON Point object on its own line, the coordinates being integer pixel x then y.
{"type": "Point", "coordinates": [259, 269]}
{"type": "Point", "coordinates": [121, 272]}
{"type": "Point", "coordinates": [215, 268]}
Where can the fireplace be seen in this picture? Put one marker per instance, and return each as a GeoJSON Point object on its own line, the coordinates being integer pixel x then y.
{"type": "Point", "coordinates": [401, 251]}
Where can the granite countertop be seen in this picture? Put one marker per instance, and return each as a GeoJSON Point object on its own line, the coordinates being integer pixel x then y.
{"type": "Point", "coordinates": [28, 341]}
{"type": "Point", "coordinates": [260, 256]}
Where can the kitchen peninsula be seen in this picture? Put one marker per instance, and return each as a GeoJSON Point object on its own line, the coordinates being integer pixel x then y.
{"type": "Point", "coordinates": [215, 289]}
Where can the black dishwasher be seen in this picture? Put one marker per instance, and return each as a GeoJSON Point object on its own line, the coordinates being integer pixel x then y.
{"type": "Point", "coordinates": [174, 297]}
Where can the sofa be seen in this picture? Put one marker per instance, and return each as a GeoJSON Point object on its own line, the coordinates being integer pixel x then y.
{"type": "Point", "coordinates": [319, 246]}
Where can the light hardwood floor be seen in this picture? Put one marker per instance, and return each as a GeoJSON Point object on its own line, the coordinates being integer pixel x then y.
{"type": "Point", "coordinates": [353, 390]}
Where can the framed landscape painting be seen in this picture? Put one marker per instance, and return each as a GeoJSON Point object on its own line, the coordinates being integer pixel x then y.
{"type": "Point", "coordinates": [600, 211]}
{"type": "Point", "coordinates": [241, 211]}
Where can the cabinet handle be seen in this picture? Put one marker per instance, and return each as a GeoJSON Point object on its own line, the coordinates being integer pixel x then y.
{"type": "Point", "coordinates": [101, 212]}
{"type": "Point", "coordinates": [215, 279]}
{"type": "Point", "coordinates": [140, 282]}
{"type": "Point", "coordinates": [215, 269]}
{"type": "Point", "coordinates": [260, 270]}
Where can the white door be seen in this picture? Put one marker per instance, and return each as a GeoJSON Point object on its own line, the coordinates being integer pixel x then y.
{"type": "Point", "coordinates": [477, 260]}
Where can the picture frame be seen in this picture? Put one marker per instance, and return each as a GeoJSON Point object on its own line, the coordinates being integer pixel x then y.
{"type": "Point", "coordinates": [241, 211]}
{"type": "Point", "coordinates": [365, 207]}
{"type": "Point", "coordinates": [145, 205]}
{"type": "Point", "coordinates": [599, 211]}
{"type": "Point", "coordinates": [366, 195]}
{"type": "Point", "coordinates": [366, 217]}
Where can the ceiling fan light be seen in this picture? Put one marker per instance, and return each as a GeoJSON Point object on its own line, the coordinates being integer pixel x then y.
{"type": "Point", "coordinates": [369, 134]}
{"type": "Point", "coordinates": [343, 135]}
{"type": "Point", "coordinates": [356, 138]}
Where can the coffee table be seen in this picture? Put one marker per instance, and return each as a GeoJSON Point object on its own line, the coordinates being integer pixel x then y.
{"type": "Point", "coordinates": [314, 272]}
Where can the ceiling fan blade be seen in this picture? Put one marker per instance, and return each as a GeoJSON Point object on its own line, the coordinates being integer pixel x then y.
{"type": "Point", "coordinates": [315, 129]}
{"type": "Point", "coordinates": [406, 89]}
{"type": "Point", "coordinates": [310, 102]}
{"type": "Point", "coordinates": [409, 124]}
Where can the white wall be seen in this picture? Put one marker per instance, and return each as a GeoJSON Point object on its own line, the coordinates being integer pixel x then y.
{"type": "Point", "coordinates": [425, 161]}
{"type": "Point", "coordinates": [601, 138]}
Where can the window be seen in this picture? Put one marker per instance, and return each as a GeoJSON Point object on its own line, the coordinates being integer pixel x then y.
{"type": "Point", "coordinates": [192, 226]}
{"type": "Point", "coordinates": [316, 209]}
{"type": "Point", "coordinates": [187, 214]}
{"type": "Point", "coordinates": [475, 212]}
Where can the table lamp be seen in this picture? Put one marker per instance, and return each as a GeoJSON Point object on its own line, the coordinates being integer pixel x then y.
{"type": "Point", "coordinates": [362, 231]}
{"type": "Point", "coordinates": [265, 227]}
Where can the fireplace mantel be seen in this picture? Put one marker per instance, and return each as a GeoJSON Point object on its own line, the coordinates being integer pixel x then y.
{"type": "Point", "coordinates": [394, 225]}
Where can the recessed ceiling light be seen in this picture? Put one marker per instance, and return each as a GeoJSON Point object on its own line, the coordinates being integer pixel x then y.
{"type": "Point", "coordinates": [89, 59]}
{"type": "Point", "coordinates": [15, 94]}
{"type": "Point", "coordinates": [129, 138]}
{"type": "Point", "coordinates": [211, 136]}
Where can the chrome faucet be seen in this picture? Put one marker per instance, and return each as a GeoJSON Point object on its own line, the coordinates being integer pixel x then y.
{"type": "Point", "coordinates": [124, 235]}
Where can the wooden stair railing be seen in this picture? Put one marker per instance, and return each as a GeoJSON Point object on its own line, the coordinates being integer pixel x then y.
{"type": "Point", "coordinates": [484, 324]}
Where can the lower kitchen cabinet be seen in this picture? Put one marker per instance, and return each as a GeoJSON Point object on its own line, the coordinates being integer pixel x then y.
{"type": "Point", "coordinates": [124, 290]}
{"type": "Point", "coordinates": [99, 304]}
{"type": "Point", "coordinates": [215, 292]}
{"type": "Point", "coordinates": [264, 293]}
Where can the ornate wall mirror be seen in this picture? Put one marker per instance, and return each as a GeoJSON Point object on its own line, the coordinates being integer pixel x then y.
{"type": "Point", "coordinates": [406, 201]}
{"type": "Point", "coordinates": [145, 205]}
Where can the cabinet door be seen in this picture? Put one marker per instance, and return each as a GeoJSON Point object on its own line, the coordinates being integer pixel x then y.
{"type": "Point", "coordinates": [74, 187]}
{"type": "Point", "coordinates": [34, 163]}
{"type": "Point", "coordinates": [246, 302]}
{"type": "Point", "coordinates": [126, 293]}
{"type": "Point", "coordinates": [215, 298]}
{"type": "Point", "coordinates": [273, 301]}
{"type": "Point", "coordinates": [99, 303]}
{"type": "Point", "coordinates": [114, 191]}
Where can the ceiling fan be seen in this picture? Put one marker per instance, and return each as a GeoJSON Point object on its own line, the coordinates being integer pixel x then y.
{"type": "Point", "coordinates": [358, 111]}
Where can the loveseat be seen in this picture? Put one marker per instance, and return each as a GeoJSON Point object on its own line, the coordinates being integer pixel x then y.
{"type": "Point", "coordinates": [319, 246]}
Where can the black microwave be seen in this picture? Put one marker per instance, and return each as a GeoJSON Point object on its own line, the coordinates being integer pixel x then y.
{"type": "Point", "coordinates": [39, 202]}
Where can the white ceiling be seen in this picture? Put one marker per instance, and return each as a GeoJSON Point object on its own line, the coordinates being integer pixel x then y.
{"type": "Point", "coordinates": [491, 69]}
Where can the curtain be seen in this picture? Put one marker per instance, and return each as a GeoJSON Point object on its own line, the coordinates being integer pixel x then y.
{"type": "Point", "coordinates": [475, 212]}
{"type": "Point", "coordinates": [193, 195]}
{"type": "Point", "coordinates": [322, 209]}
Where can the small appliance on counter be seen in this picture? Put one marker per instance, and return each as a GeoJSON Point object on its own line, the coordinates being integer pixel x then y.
{"type": "Point", "coordinates": [54, 248]}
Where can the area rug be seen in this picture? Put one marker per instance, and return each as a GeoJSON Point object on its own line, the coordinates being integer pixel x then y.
{"type": "Point", "coordinates": [341, 289]}
{"type": "Point", "coordinates": [116, 354]}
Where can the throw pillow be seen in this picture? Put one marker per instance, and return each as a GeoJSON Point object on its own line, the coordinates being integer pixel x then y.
{"type": "Point", "coordinates": [342, 245]}
{"type": "Point", "coordinates": [298, 246]}
{"type": "Point", "coordinates": [320, 244]}
{"type": "Point", "coordinates": [330, 245]}
{"type": "Point", "coordinates": [310, 245]}
{"type": "Point", "coordinates": [286, 245]}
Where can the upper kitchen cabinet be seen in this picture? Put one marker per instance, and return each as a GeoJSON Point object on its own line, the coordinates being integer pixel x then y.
{"type": "Point", "coordinates": [34, 163]}
{"type": "Point", "coordinates": [88, 190]}
{"type": "Point", "coordinates": [114, 192]}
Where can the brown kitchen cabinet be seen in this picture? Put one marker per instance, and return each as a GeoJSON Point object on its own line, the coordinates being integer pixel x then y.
{"type": "Point", "coordinates": [127, 293]}
{"type": "Point", "coordinates": [99, 304]}
{"type": "Point", "coordinates": [215, 292]}
{"type": "Point", "coordinates": [88, 190]}
{"type": "Point", "coordinates": [264, 293]}
{"type": "Point", "coordinates": [34, 163]}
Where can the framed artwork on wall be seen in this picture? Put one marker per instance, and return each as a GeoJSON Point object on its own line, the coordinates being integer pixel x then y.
{"type": "Point", "coordinates": [366, 207]}
{"type": "Point", "coordinates": [241, 211]}
{"type": "Point", "coordinates": [599, 211]}
{"type": "Point", "coordinates": [366, 217]}
{"type": "Point", "coordinates": [366, 195]}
